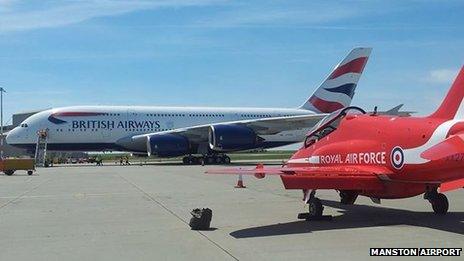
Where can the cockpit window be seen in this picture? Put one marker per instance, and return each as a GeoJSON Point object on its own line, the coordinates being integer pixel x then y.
{"type": "Point", "coordinates": [329, 124]}
{"type": "Point", "coordinates": [24, 125]}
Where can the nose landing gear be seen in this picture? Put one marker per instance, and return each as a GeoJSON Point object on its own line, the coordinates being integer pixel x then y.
{"type": "Point", "coordinates": [348, 197]}
{"type": "Point", "coordinates": [315, 209]}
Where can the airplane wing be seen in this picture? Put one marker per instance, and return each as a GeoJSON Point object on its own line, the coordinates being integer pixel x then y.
{"type": "Point", "coordinates": [451, 185]}
{"type": "Point", "coordinates": [394, 110]}
{"type": "Point", "coordinates": [265, 126]}
{"type": "Point", "coordinates": [329, 177]}
{"type": "Point", "coordinates": [451, 146]}
{"type": "Point", "coordinates": [397, 111]}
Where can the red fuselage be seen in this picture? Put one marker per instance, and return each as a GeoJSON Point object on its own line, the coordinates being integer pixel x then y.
{"type": "Point", "coordinates": [393, 143]}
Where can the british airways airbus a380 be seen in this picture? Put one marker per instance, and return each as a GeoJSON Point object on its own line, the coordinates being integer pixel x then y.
{"type": "Point", "coordinates": [178, 131]}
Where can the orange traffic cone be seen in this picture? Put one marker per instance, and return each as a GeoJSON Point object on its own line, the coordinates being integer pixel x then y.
{"type": "Point", "coordinates": [240, 182]}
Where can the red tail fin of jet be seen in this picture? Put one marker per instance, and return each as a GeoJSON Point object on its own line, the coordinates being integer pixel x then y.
{"type": "Point", "coordinates": [452, 106]}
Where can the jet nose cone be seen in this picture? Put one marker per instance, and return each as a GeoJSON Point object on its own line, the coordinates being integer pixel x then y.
{"type": "Point", "coordinates": [11, 136]}
{"type": "Point", "coordinates": [8, 138]}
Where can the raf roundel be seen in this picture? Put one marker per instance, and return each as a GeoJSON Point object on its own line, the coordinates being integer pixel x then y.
{"type": "Point", "coordinates": [397, 157]}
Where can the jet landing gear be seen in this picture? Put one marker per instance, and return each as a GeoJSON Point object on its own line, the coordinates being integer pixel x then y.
{"type": "Point", "coordinates": [215, 159]}
{"type": "Point", "coordinates": [189, 160]}
{"type": "Point", "coordinates": [348, 197]}
{"type": "Point", "coordinates": [315, 209]}
{"type": "Point", "coordinates": [439, 201]}
{"type": "Point", "coordinates": [206, 159]}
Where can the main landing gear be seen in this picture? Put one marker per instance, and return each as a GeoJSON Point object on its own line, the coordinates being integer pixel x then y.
{"type": "Point", "coordinates": [315, 209]}
{"type": "Point", "coordinates": [438, 201]}
{"type": "Point", "coordinates": [348, 197]}
{"type": "Point", "coordinates": [206, 159]}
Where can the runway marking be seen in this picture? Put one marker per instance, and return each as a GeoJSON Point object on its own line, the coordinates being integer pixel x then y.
{"type": "Point", "coordinates": [77, 195]}
{"type": "Point", "coordinates": [176, 216]}
{"type": "Point", "coordinates": [20, 196]}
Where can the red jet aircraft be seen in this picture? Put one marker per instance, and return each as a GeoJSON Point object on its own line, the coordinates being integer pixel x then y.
{"type": "Point", "coordinates": [379, 156]}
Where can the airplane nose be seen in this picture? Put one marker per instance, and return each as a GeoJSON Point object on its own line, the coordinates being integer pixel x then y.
{"type": "Point", "coordinates": [10, 137]}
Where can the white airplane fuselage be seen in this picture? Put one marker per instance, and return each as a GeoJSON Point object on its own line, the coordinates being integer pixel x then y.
{"type": "Point", "coordinates": [174, 131]}
{"type": "Point", "coordinates": [99, 128]}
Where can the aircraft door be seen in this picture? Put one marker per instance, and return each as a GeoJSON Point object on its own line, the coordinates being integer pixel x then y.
{"type": "Point", "coordinates": [133, 117]}
{"type": "Point", "coordinates": [106, 133]}
{"type": "Point", "coordinates": [235, 117]}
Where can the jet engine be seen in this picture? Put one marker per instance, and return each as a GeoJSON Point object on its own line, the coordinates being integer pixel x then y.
{"type": "Point", "coordinates": [225, 138]}
{"type": "Point", "coordinates": [167, 145]}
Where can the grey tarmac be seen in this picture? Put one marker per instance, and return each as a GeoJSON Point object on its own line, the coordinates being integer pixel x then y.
{"type": "Point", "coordinates": [142, 213]}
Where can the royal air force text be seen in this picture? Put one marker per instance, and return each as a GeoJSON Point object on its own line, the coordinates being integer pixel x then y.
{"type": "Point", "coordinates": [354, 158]}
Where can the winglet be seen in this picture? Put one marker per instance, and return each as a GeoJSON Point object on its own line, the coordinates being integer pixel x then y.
{"type": "Point", "coordinates": [394, 110]}
{"type": "Point", "coordinates": [259, 171]}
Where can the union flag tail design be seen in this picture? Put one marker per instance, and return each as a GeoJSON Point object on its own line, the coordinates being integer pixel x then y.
{"type": "Point", "coordinates": [338, 89]}
{"type": "Point", "coordinates": [452, 106]}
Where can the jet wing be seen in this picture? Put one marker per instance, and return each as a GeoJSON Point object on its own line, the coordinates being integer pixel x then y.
{"type": "Point", "coordinates": [265, 126]}
{"type": "Point", "coordinates": [396, 111]}
{"type": "Point", "coordinates": [451, 185]}
{"type": "Point", "coordinates": [453, 145]}
{"type": "Point", "coordinates": [339, 178]}
{"type": "Point", "coordinates": [329, 177]}
{"type": "Point", "coordinates": [275, 125]}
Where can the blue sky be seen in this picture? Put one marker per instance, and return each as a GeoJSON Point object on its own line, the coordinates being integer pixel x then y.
{"type": "Point", "coordinates": [223, 53]}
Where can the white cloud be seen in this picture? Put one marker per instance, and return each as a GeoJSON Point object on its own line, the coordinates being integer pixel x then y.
{"type": "Point", "coordinates": [442, 75]}
{"type": "Point", "coordinates": [6, 5]}
{"type": "Point", "coordinates": [17, 17]}
{"type": "Point", "coordinates": [279, 15]}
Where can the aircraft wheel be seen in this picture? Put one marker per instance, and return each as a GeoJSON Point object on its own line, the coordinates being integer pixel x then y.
{"type": "Point", "coordinates": [186, 160]}
{"type": "Point", "coordinates": [315, 207]}
{"type": "Point", "coordinates": [29, 172]}
{"type": "Point", "coordinates": [440, 204]}
{"type": "Point", "coordinates": [226, 159]}
{"type": "Point", "coordinates": [348, 197]}
{"type": "Point", "coordinates": [209, 160]}
{"type": "Point", "coordinates": [192, 160]}
{"type": "Point", "coordinates": [218, 159]}
{"type": "Point", "coordinates": [9, 172]}
{"type": "Point", "coordinates": [195, 160]}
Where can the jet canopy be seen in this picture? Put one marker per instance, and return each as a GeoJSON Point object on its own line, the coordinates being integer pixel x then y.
{"type": "Point", "coordinates": [329, 123]}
